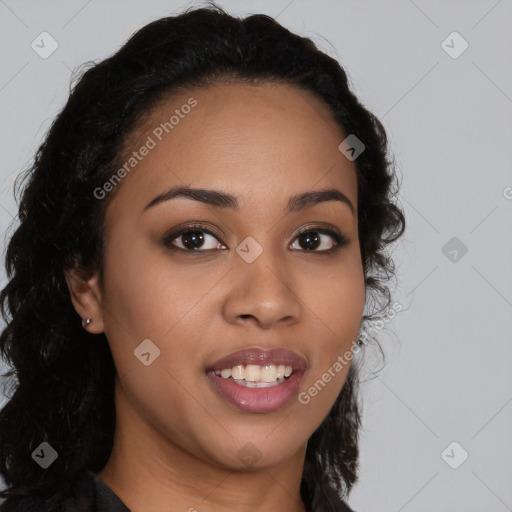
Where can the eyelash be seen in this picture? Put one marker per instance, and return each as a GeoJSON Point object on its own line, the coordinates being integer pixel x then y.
{"type": "Point", "coordinates": [339, 239]}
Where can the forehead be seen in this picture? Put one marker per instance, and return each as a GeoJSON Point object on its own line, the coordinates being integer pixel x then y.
{"type": "Point", "coordinates": [261, 142]}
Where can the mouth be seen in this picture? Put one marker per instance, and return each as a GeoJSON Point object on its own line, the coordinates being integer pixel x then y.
{"type": "Point", "coordinates": [257, 380]}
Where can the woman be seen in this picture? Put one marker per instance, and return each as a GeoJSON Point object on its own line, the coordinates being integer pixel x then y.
{"type": "Point", "coordinates": [200, 234]}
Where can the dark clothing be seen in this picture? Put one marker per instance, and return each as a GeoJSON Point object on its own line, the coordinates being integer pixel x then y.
{"type": "Point", "coordinates": [90, 494]}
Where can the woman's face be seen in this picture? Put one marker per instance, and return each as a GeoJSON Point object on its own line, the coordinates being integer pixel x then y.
{"type": "Point", "coordinates": [172, 307]}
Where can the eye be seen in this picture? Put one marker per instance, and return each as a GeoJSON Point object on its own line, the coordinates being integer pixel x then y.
{"type": "Point", "coordinates": [193, 239]}
{"type": "Point", "coordinates": [311, 238]}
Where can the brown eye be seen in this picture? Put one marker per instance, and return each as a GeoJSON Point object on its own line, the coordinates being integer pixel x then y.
{"type": "Point", "coordinates": [193, 238]}
{"type": "Point", "coordinates": [312, 239]}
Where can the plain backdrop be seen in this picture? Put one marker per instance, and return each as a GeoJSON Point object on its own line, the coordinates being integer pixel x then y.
{"type": "Point", "coordinates": [438, 417]}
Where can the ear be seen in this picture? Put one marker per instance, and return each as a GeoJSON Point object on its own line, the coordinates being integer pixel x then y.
{"type": "Point", "coordinates": [86, 298]}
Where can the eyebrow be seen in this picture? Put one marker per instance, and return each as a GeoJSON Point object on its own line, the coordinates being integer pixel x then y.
{"type": "Point", "coordinates": [221, 199]}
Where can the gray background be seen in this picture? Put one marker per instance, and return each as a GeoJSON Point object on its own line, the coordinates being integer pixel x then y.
{"type": "Point", "coordinates": [447, 376]}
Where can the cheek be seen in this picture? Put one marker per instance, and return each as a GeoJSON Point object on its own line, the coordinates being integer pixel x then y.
{"type": "Point", "coordinates": [147, 292]}
{"type": "Point", "coordinates": [336, 300]}
{"type": "Point", "coordinates": [337, 306]}
{"type": "Point", "coordinates": [146, 298]}
{"type": "Point", "coordinates": [151, 297]}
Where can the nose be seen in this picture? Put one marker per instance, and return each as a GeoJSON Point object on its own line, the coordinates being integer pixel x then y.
{"type": "Point", "coordinates": [263, 292]}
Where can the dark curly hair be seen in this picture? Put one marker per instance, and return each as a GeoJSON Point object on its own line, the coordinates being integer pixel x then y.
{"type": "Point", "coordinates": [61, 378]}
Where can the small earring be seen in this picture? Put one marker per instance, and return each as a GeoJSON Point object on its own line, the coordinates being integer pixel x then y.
{"type": "Point", "coordinates": [87, 321]}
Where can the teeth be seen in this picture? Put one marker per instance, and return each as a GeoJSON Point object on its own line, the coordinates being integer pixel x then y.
{"type": "Point", "coordinates": [248, 384]}
{"type": "Point", "coordinates": [237, 372]}
{"type": "Point", "coordinates": [252, 373]}
{"type": "Point", "coordinates": [269, 374]}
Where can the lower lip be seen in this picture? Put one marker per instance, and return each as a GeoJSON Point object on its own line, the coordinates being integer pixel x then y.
{"type": "Point", "coordinates": [257, 399]}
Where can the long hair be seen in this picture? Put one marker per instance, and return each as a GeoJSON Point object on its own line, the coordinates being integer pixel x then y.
{"type": "Point", "coordinates": [61, 378]}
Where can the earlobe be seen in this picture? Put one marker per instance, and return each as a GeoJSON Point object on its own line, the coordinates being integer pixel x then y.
{"type": "Point", "coordinates": [86, 298]}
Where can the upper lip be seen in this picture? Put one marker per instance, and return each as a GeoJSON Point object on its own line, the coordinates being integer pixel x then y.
{"type": "Point", "coordinates": [261, 357]}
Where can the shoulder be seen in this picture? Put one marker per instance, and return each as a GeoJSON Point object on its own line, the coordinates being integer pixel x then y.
{"type": "Point", "coordinates": [80, 496]}
{"type": "Point", "coordinates": [28, 503]}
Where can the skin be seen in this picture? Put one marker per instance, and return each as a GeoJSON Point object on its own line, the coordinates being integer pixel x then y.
{"type": "Point", "coordinates": [177, 441]}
